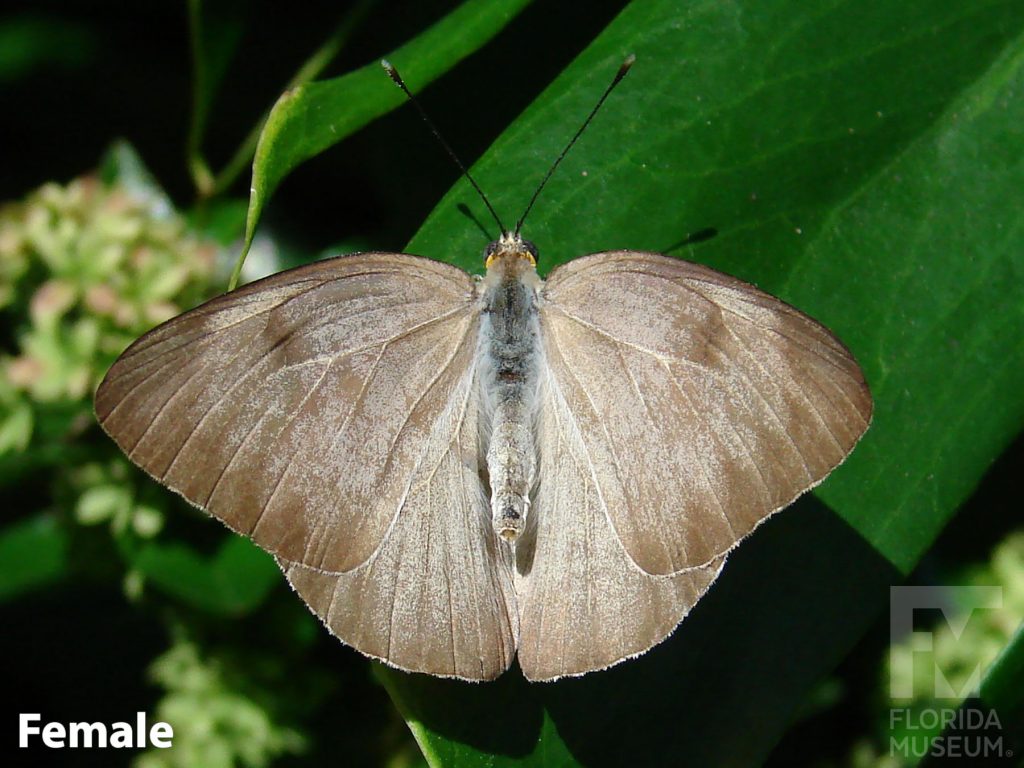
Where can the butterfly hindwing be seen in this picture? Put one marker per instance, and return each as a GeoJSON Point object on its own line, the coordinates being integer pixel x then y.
{"type": "Point", "coordinates": [437, 596]}
{"type": "Point", "coordinates": [584, 605]}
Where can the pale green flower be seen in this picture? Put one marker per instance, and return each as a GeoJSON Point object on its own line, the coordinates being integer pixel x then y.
{"type": "Point", "coordinates": [89, 268]}
{"type": "Point", "coordinates": [216, 725]}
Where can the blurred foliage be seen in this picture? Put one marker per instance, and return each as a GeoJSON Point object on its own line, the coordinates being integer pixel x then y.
{"type": "Point", "coordinates": [985, 632]}
{"type": "Point", "coordinates": [220, 713]}
{"type": "Point", "coordinates": [84, 270]}
{"type": "Point", "coordinates": [964, 642]}
{"type": "Point", "coordinates": [31, 41]}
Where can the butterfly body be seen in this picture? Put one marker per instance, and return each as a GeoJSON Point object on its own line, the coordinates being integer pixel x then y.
{"type": "Point", "coordinates": [510, 378]}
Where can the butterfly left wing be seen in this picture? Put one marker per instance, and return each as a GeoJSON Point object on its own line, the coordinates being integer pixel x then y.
{"type": "Point", "coordinates": [329, 413]}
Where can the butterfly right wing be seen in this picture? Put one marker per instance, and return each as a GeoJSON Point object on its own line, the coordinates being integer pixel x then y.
{"type": "Point", "coordinates": [680, 407]}
{"type": "Point", "coordinates": [296, 409]}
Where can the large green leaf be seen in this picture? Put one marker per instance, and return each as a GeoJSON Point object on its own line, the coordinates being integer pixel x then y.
{"type": "Point", "coordinates": [864, 162]}
{"type": "Point", "coordinates": [313, 117]}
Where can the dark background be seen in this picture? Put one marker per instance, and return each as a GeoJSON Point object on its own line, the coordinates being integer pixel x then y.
{"type": "Point", "coordinates": [78, 651]}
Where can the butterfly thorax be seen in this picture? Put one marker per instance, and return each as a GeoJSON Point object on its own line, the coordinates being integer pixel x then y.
{"type": "Point", "coordinates": [509, 339]}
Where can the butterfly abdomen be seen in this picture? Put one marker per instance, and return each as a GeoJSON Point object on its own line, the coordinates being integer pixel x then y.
{"type": "Point", "coordinates": [509, 342]}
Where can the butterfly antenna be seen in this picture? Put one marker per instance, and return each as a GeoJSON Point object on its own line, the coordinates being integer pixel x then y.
{"type": "Point", "coordinates": [615, 81]}
{"type": "Point", "coordinates": [393, 74]}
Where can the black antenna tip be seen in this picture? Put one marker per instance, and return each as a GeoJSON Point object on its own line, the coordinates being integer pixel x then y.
{"type": "Point", "coordinates": [392, 73]}
{"type": "Point", "coordinates": [626, 64]}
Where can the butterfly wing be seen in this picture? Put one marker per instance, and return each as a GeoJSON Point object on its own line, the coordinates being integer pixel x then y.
{"type": "Point", "coordinates": [437, 596]}
{"type": "Point", "coordinates": [583, 604]}
{"type": "Point", "coordinates": [701, 403]}
{"type": "Point", "coordinates": [329, 413]}
{"type": "Point", "coordinates": [298, 409]}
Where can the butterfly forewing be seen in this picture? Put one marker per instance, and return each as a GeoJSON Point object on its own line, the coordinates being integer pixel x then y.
{"type": "Point", "coordinates": [297, 409]}
{"type": "Point", "coordinates": [702, 404]}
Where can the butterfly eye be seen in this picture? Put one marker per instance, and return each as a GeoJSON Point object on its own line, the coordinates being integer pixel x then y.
{"type": "Point", "coordinates": [490, 250]}
{"type": "Point", "coordinates": [532, 250]}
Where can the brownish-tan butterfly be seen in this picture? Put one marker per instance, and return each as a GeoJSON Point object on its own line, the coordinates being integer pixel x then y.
{"type": "Point", "coordinates": [455, 470]}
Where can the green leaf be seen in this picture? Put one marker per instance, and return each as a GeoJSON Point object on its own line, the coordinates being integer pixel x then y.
{"type": "Point", "coordinates": [1001, 687]}
{"type": "Point", "coordinates": [930, 248]}
{"type": "Point", "coordinates": [233, 581]}
{"type": "Point", "coordinates": [207, 184]}
{"type": "Point", "coordinates": [863, 161]}
{"type": "Point", "coordinates": [882, 207]}
{"type": "Point", "coordinates": [33, 553]}
{"type": "Point", "coordinates": [311, 118]}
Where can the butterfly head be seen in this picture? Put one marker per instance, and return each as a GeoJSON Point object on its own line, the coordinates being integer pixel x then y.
{"type": "Point", "coordinates": [510, 246]}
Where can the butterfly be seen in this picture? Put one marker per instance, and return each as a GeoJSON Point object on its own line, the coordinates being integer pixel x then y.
{"type": "Point", "coordinates": [455, 471]}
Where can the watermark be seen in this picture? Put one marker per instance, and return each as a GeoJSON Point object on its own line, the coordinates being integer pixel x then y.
{"type": "Point", "coordinates": [903, 603]}
{"type": "Point", "coordinates": [120, 735]}
{"type": "Point", "coordinates": [927, 717]}
{"type": "Point", "coordinates": [950, 732]}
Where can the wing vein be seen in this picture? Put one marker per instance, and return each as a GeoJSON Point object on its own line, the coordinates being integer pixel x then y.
{"type": "Point", "coordinates": [768, 404]}
{"type": "Point", "coordinates": [291, 459]}
{"type": "Point", "coordinates": [650, 418]}
{"type": "Point", "coordinates": [699, 462]}
{"type": "Point", "coordinates": [782, 308]}
{"type": "Point", "coordinates": [456, 348]}
{"type": "Point", "coordinates": [803, 394]}
{"type": "Point", "coordinates": [163, 406]}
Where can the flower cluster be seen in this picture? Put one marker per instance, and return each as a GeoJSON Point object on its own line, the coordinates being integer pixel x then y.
{"type": "Point", "coordinates": [84, 269]}
{"type": "Point", "coordinates": [217, 721]}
